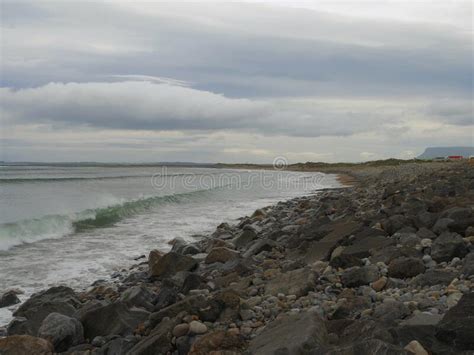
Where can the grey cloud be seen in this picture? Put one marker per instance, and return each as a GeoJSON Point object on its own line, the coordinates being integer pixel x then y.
{"type": "Point", "coordinates": [151, 106]}
{"type": "Point", "coordinates": [242, 50]}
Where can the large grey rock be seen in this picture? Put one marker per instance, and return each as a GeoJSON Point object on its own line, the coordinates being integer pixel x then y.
{"type": "Point", "coordinates": [457, 326]}
{"type": "Point", "coordinates": [295, 282]}
{"type": "Point", "coordinates": [361, 248]}
{"type": "Point", "coordinates": [434, 277]}
{"type": "Point", "coordinates": [359, 276]}
{"type": "Point", "coordinates": [371, 346]}
{"type": "Point", "coordinates": [247, 236]}
{"type": "Point", "coordinates": [58, 299]}
{"type": "Point", "coordinates": [221, 255]}
{"type": "Point", "coordinates": [258, 247]}
{"type": "Point", "coordinates": [442, 225]}
{"type": "Point", "coordinates": [403, 267]}
{"type": "Point", "coordinates": [191, 305]}
{"type": "Point", "coordinates": [9, 298]}
{"type": "Point", "coordinates": [447, 246]}
{"type": "Point", "coordinates": [303, 333]}
{"type": "Point", "coordinates": [25, 344]}
{"type": "Point", "coordinates": [171, 263]}
{"type": "Point", "coordinates": [158, 342]}
{"type": "Point", "coordinates": [138, 296]}
{"type": "Point", "coordinates": [62, 331]}
{"type": "Point", "coordinates": [390, 311]}
{"type": "Point", "coordinates": [114, 318]}
{"type": "Point", "coordinates": [468, 265]}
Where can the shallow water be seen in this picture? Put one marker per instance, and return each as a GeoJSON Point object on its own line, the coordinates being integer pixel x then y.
{"type": "Point", "coordinates": [74, 225]}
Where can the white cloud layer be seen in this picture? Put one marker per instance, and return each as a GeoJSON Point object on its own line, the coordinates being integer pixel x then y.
{"type": "Point", "coordinates": [334, 80]}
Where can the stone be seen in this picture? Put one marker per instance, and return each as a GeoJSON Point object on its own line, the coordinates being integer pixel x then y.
{"type": "Point", "coordinates": [434, 277]}
{"type": "Point", "coordinates": [157, 342]}
{"type": "Point", "coordinates": [416, 348]}
{"type": "Point", "coordinates": [258, 247]}
{"type": "Point", "coordinates": [171, 263]}
{"type": "Point", "coordinates": [219, 342]}
{"type": "Point", "coordinates": [457, 326]}
{"type": "Point", "coordinates": [191, 305]}
{"type": "Point", "coordinates": [442, 225]}
{"type": "Point", "coordinates": [447, 246]}
{"type": "Point", "coordinates": [25, 344]}
{"type": "Point", "coordinates": [245, 238]}
{"type": "Point", "coordinates": [390, 311]}
{"type": "Point", "coordinates": [301, 333]}
{"type": "Point", "coordinates": [9, 298]}
{"type": "Point", "coordinates": [360, 276]}
{"type": "Point", "coordinates": [425, 233]}
{"type": "Point", "coordinates": [166, 296]}
{"type": "Point", "coordinates": [379, 284]}
{"type": "Point", "coordinates": [295, 282]}
{"type": "Point", "coordinates": [404, 267]}
{"type": "Point", "coordinates": [116, 346]}
{"type": "Point", "coordinates": [180, 330]}
{"type": "Point", "coordinates": [394, 223]}
{"type": "Point", "coordinates": [114, 318]}
{"type": "Point", "coordinates": [190, 249]}
{"type": "Point", "coordinates": [62, 331]}
{"type": "Point", "coordinates": [221, 255]}
{"type": "Point", "coordinates": [370, 346]}
{"type": "Point", "coordinates": [345, 261]}
{"type": "Point", "coordinates": [58, 299]}
{"type": "Point", "coordinates": [422, 319]}
{"type": "Point", "coordinates": [468, 265]}
{"type": "Point", "coordinates": [196, 327]}
{"type": "Point", "coordinates": [153, 258]}
{"type": "Point", "coordinates": [138, 296]}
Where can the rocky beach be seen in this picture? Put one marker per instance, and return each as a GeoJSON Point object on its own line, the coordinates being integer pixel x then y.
{"type": "Point", "coordinates": [384, 266]}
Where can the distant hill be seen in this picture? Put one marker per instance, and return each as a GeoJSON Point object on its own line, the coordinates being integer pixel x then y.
{"type": "Point", "coordinates": [433, 152]}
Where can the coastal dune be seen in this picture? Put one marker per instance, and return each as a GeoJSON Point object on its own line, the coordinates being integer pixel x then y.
{"type": "Point", "coordinates": [384, 265]}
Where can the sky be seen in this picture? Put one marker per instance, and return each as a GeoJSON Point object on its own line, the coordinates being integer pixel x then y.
{"type": "Point", "coordinates": [119, 81]}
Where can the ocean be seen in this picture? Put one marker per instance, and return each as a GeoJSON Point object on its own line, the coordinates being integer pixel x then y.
{"type": "Point", "coordinates": [75, 224]}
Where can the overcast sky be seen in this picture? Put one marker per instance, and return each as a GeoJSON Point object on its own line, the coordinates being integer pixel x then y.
{"type": "Point", "coordinates": [234, 82]}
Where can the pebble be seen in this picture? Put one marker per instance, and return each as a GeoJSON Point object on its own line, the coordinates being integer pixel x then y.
{"type": "Point", "coordinates": [180, 330]}
{"type": "Point", "coordinates": [196, 327]}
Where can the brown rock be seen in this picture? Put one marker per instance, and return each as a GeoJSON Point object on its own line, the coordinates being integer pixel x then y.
{"type": "Point", "coordinates": [180, 330]}
{"type": "Point", "coordinates": [153, 258]}
{"type": "Point", "coordinates": [379, 284]}
{"type": "Point", "coordinates": [221, 255]}
{"type": "Point", "coordinates": [25, 344]}
{"type": "Point", "coordinates": [172, 263]}
{"type": "Point", "coordinates": [416, 348]}
{"type": "Point", "coordinates": [217, 341]}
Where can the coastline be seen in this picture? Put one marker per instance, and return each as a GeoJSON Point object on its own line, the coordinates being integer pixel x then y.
{"type": "Point", "coordinates": [330, 263]}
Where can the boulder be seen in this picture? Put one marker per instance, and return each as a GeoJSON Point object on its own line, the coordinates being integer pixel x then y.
{"type": "Point", "coordinates": [359, 276]}
{"type": "Point", "coordinates": [58, 299]}
{"type": "Point", "coordinates": [395, 223]}
{"type": "Point", "coordinates": [153, 258]}
{"type": "Point", "coordinates": [138, 296]}
{"type": "Point", "coordinates": [114, 318]}
{"type": "Point", "coordinates": [362, 247]}
{"type": "Point", "coordinates": [119, 346]}
{"type": "Point", "coordinates": [218, 342]}
{"type": "Point", "coordinates": [171, 263]}
{"type": "Point", "coordinates": [457, 326]}
{"type": "Point", "coordinates": [403, 267]}
{"type": "Point", "coordinates": [258, 247]}
{"type": "Point", "coordinates": [416, 348]}
{"type": "Point", "coordinates": [468, 265]}
{"type": "Point", "coordinates": [191, 305]}
{"type": "Point", "coordinates": [221, 255]}
{"type": "Point", "coordinates": [295, 282]}
{"type": "Point", "coordinates": [9, 298]}
{"type": "Point", "coordinates": [371, 346]}
{"type": "Point", "coordinates": [62, 331]}
{"type": "Point", "coordinates": [447, 246]}
{"type": "Point", "coordinates": [25, 344]}
{"type": "Point", "coordinates": [434, 277]}
{"type": "Point", "coordinates": [247, 236]}
{"type": "Point", "coordinates": [389, 311]}
{"type": "Point", "coordinates": [159, 340]}
{"type": "Point", "coordinates": [303, 333]}
{"type": "Point", "coordinates": [442, 225]}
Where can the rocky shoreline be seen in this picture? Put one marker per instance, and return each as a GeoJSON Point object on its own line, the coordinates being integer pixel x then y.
{"type": "Point", "coordinates": [383, 267]}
